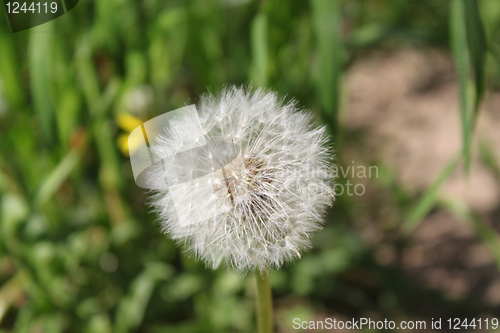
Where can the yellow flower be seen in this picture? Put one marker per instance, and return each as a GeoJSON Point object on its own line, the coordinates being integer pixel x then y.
{"type": "Point", "coordinates": [128, 123]}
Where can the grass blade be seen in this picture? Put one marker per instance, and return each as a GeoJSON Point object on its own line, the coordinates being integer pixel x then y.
{"type": "Point", "coordinates": [477, 47]}
{"type": "Point", "coordinates": [490, 159]}
{"type": "Point", "coordinates": [58, 176]}
{"type": "Point", "coordinates": [460, 50]}
{"type": "Point", "coordinates": [429, 199]}
{"type": "Point", "coordinates": [40, 46]}
{"type": "Point", "coordinates": [259, 49]}
{"type": "Point", "coordinates": [326, 20]}
{"type": "Point", "coordinates": [488, 235]}
{"type": "Point", "coordinates": [9, 70]}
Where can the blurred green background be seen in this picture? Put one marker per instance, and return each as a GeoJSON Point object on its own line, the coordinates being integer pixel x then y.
{"type": "Point", "coordinates": [79, 249]}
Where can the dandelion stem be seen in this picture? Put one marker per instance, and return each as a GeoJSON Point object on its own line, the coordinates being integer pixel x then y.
{"type": "Point", "coordinates": [264, 302]}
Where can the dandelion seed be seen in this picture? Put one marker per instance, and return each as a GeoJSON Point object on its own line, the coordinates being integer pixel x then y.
{"type": "Point", "coordinates": [265, 196]}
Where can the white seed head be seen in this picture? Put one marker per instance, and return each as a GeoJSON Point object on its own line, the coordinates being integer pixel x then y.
{"type": "Point", "coordinates": [244, 181]}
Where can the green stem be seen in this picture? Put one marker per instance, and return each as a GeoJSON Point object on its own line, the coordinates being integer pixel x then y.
{"type": "Point", "coordinates": [264, 302]}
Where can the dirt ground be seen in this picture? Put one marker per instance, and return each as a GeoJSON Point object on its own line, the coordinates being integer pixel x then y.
{"type": "Point", "coordinates": [406, 104]}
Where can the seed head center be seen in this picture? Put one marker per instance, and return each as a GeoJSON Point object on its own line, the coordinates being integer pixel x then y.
{"type": "Point", "coordinates": [246, 180]}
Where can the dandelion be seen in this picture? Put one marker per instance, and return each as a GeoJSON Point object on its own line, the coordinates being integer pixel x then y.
{"type": "Point", "coordinates": [243, 181]}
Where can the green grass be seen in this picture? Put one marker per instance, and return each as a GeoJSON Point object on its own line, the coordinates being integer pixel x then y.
{"type": "Point", "coordinates": [79, 249]}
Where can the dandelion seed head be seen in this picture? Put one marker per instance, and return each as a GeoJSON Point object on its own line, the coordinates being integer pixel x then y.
{"type": "Point", "coordinates": [253, 185]}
